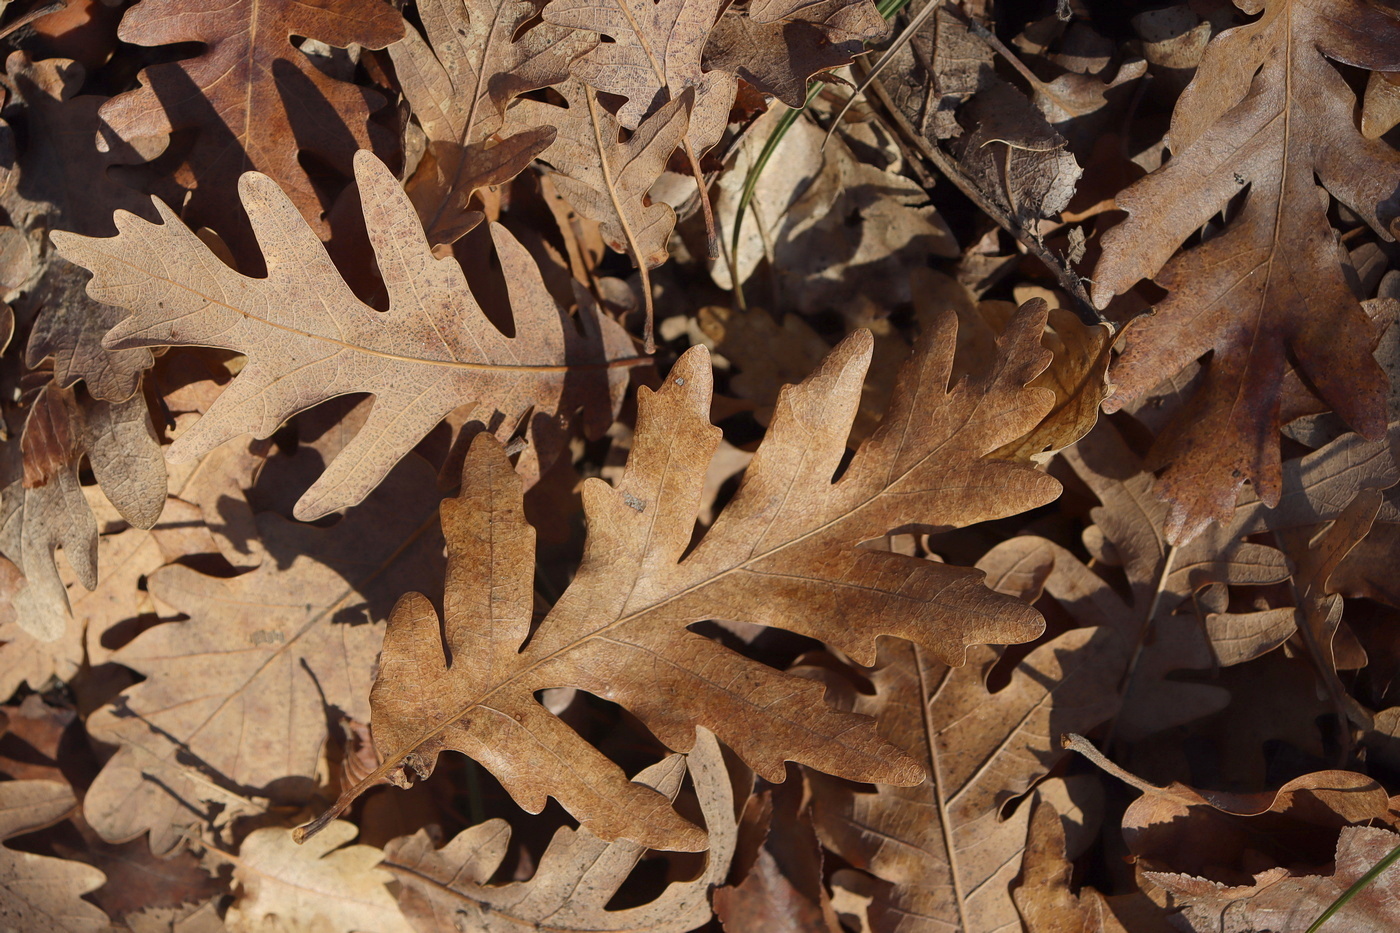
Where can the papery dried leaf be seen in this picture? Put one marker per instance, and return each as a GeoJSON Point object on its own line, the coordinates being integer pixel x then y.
{"type": "Point", "coordinates": [1268, 112]}
{"type": "Point", "coordinates": [326, 886]}
{"type": "Point", "coordinates": [944, 847]}
{"type": "Point", "coordinates": [255, 101]}
{"type": "Point", "coordinates": [309, 339]}
{"type": "Point", "coordinates": [777, 46]}
{"type": "Point", "coordinates": [653, 59]}
{"type": "Point", "coordinates": [782, 553]}
{"type": "Point", "coordinates": [1281, 902]}
{"type": "Point", "coordinates": [235, 701]}
{"type": "Point", "coordinates": [459, 88]}
{"type": "Point", "coordinates": [444, 889]}
{"type": "Point", "coordinates": [37, 892]}
{"type": "Point", "coordinates": [1043, 896]}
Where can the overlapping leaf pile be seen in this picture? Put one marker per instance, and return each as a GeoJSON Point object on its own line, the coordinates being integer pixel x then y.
{"type": "Point", "coordinates": [967, 503]}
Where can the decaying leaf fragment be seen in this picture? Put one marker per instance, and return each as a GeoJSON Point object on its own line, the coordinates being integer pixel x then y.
{"type": "Point", "coordinates": [308, 338]}
{"type": "Point", "coordinates": [782, 553]}
{"type": "Point", "coordinates": [446, 889]}
{"type": "Point", "coordinates": [1267, 114]}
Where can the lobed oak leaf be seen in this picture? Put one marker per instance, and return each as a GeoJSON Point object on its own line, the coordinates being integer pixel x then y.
{"type": "Point", "coordinates": [1284, 902]}
{"type": "Point", "coordinates": [255, 101]}
{"type": "Point", "coordinates": [577, 876]}
{"type": "Point", "coordinates": [654, 57]}
{"type": "Point", "coordinates": [1267, 114]}
{"type": "Point", "coordinates": [308, 338]}
{"type": "Point", "coordinates": [778, 45]}
{"type": "Point", "coordinates": [459, 88]}
{"type": "Point", "coordinates": [37, 892]}
{"type": "Point", "coordinates": [326, 887]}
{"type": "Point", "coordinates": [784, 552]}
{"type": "Point", "coordinates": [238, 698]}
{"type": "Point", "coordinates": [944, 848]}
{"type": "Point", "coordinates": [42, 507]}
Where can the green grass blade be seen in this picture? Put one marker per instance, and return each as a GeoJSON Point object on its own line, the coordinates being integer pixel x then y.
{"type": "Point", "coordinates": [1361, 884]}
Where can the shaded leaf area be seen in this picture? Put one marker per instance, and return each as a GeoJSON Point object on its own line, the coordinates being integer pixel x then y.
{"type": "Point", "coordinates": [670, 465]}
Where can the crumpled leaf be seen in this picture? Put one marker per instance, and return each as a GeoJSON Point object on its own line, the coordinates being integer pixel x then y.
{"type": "Point", "coordinates": [1283, 902]}
{"type": "Point", "coordinates": [788, 534]}
{"type": "Point", "coordinates": [327, 886]}
{"type": "Point", "coordinates": [309, 339]}
{"type": "Point", "coordinates": [255, 101]}
{"type": "Point", "coordinates": [459, 88]}
{"type": "Point", "coordinates": [237, 699]}
{"type": "Point", "coordinates": [37, 892]}
{"type": "Point", "coordinates": [1268, 112]}
{"type": "Point", "coordinates": [446, 889]}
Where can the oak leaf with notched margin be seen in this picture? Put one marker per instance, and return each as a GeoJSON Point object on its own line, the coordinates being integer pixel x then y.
{"type": "Point", "coordinates": [1270, 113]}
{"type": "Point", "coordinates": [255, 101]}
{"type": "Point", "coordinates": [784, 552]}
{"type": "Point", "coordinates": [308, 338]}
{"type": "Point", "coordinates": [37, 892]}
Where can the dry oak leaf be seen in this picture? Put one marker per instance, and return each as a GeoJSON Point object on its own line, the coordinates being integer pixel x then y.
{"type": "Point", "coordinates": [784, 552]}
{"type": "Point", "coordinates": [308, 338]}
{"type": "Point", "coordinates": [1267, 114]}
{"type": "Point", "coordinates": [42, 506]}
{"type": "Point", "coordinates": [459, 87]}
{"type": "Point", "coordinates": [39, 894]}
{"type": "Point", "coordinates": [324, 887]}
{"type": "Point", "coordinates": [653, 58]}
{"type": "Point", "coordinates": [778, 45]}
{"type": "Point", "coordinates": [446, 889]}
{"type": "Point", "coordinates": [944, 848]}
{"type": "Point", "coordinates": [237, 699]}
{"type": "Point", "coordinates": [255, 101]}
{"type": "Point", "coordinates": [1281, 902]}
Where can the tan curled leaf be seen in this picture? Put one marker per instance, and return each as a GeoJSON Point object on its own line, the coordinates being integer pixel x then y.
{"type": "Point", "coordinates": [459, 88]}
{"type": "Point", "coordinates": [326, 887]}
{"type": "Point", "coordinates": [235, 698]}
{"type": "Point", "coordinates": [39, 894]}
{"type": "Point", "coordinates": [308, 338]}
{"type": "Point", "coordinates": [253, 100]}
{"type": "Point", "coordinates": [784, 552]}
{"type": "Point", "coordinates": [446, 889]}
{"type": "Point", "coordinates": [1269, 114]}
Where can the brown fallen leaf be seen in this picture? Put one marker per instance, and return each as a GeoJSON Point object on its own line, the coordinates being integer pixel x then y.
{"type": "Point", "coordinates": [255, 101]}
{"type": "Point", "coordinates": [36, 520]}
{"type": "Point", "coordinates": [789, 533]}
{"type": "Point", "coordinates": [943, 845]}
{"type": "Point", "coordinates": [446, 889]}
{"type": "Point", "coordinates": [459, 88]}
{"type": "Point", "coordinates": [1283, 902]}
{"type": "Point", "coordinates": [1267, 114]}
{"type": "Point", "coordinates": [782, 889]}
{"type": "Point", "coordinates": [308, 338]}
{"type": "Point", "coordinates": [653, 59]}
{"type": "Point", "coordinates": [238, 698]}
{"type": "Point", "coordinates": [37, 892]}
{"type": "Point", "coordinates": [778, 45]}
{"type": "Point", "coordinates": [606, 180]}
{"type": "Point", "coordinates": [326, 887]}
